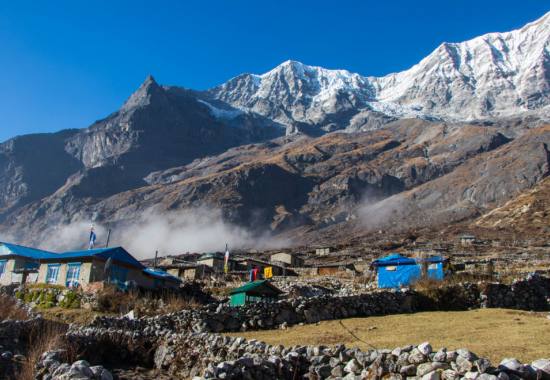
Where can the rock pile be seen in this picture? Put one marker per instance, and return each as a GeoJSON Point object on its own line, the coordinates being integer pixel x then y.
{"type": "Point", "coordinates": [317, 286]}
{"type": "Point", "coordinates": [52, 367]}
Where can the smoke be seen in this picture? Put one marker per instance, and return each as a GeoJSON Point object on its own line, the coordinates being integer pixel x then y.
{"type": "Point", "coordinates": [175, 232]}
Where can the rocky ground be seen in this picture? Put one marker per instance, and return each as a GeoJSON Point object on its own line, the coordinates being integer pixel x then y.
{"type": "Point", "coordinates": [185, 344]}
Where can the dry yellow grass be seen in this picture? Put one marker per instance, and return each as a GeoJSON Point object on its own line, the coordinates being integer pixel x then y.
{"type": "Point", "coordinates": [78, 316]}
{"type": "Point", "coordinates": [491, 333]}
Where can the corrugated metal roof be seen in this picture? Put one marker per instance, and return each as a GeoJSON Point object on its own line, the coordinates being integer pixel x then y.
{"type": "Point", "coordinates": [211, 255]}
{"type": "Point", "coordinates": [117, 253]}
{"type": "Point", "coordinates": [19, 250]}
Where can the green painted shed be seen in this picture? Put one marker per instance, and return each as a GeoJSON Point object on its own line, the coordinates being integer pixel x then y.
{"type": "Point", "coordinates": [256, 291]}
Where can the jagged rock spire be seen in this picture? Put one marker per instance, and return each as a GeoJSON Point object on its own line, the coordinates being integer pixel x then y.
{"type": "Point", "coordinates": [143, 94]}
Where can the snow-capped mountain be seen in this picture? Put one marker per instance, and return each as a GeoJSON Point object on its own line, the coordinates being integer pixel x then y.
{"type": "Point", "coordinates": [497, 75]}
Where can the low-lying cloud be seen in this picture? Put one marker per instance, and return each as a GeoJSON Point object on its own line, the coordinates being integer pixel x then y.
{"type": "Point", "coordinates": [175, 232]}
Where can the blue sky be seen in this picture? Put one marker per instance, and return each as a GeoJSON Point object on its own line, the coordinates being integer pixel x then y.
{"type": "Point", "coordinates": [65, 64]}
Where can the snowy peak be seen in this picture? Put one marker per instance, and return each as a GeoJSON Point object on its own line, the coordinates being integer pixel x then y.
{"type": "Point", "coordinates": [496, 75]}
{"type": "Point", "coordinates": [294, 93]}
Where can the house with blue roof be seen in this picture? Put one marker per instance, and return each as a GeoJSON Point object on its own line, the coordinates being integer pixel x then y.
{"type": "Point", "coordinates": [18, 264]}
{"type": "Point", "coordinates": [395, 270]}
{"type": "Point", "coordinates": [81, 268]}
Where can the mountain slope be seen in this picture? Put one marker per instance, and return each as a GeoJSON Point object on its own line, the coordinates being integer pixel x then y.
{"type": "Point", "coordinates": [289, 183]}
{"type": "Point", "coordinates": [494, 75]}
{"type": "Point", "coordinates": [303, 150]}
{"type": "Point", "coordinates": [526, 214]}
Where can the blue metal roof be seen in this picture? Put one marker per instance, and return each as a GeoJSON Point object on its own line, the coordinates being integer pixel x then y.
{"type": "Point", "coordinates": [116, 253]}
{"type": "Point", "coordinates": [19, 250]}
{"type": "Point", "coordinates": [158, 273]}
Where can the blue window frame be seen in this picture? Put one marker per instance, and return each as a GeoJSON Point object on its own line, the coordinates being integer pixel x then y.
{"type": "Point", "coordinates": [73, 275]}
{"type": "Point", "coordinates": [3, 266]}
{"type": "Point", "coordinates": [52, 273]}
{"type": "Point", "coordinates": [118, 274]}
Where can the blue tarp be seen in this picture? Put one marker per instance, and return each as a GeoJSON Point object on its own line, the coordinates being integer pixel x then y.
{"type": "Point", "coordinates": [160, 274]}
{"type": "Point", "coordinates": [394, 259]}
{"type": "Point", "coordinates": [395, 271]}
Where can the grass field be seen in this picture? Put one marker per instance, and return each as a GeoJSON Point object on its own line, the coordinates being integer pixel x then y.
{"type": "Point", "coordinates": [491, 333]}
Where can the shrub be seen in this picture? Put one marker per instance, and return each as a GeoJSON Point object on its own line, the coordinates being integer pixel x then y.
{"type": "Point", "coordinates": [48, 299]}
{"type": "Point", "coordinates": [45, 337]}
{"type": "Point", "coordinates": [71, 300]}
{"type": "Point", "coordinates": [10, 309]}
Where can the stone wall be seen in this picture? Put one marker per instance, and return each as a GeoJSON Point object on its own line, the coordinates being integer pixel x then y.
{"type": "Point", "coordinates": [206, 355]}
{"type": "Point", "coordinates": [532, 293]}
{"type": "Point", "coordinates": [223, 318]}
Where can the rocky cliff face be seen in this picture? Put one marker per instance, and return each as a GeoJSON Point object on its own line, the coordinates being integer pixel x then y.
{"type": "Point", "coordinates": [32, 167]}
{"type": "Point", "coordinates": [157, 128]}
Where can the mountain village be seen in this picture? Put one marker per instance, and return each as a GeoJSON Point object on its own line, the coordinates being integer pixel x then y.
{"type": "Point", "coordinates": [382, 228]}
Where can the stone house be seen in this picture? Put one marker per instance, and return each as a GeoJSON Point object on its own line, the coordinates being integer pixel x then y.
{"type": "Point", "coordinates": [188, 270]}
{"type": "Point", "coordinates": [246, 264]}
{"type": "Point", "coordinates": [329, 269]}
{"type": "Point", "coordinates": [84, 267]}
{"type": "Point", "coordinates": [323, 251]}
{"type": "Point", "coordinates": [19, 264]}
{"type": "Point", "coordinates": [216, 261]}
{"type": "Point", "coordinates": [467, 240]}
{"type": "Point", "coordinates": [288, 259]}
{"type": "Point", "coordinates": [115, 265]}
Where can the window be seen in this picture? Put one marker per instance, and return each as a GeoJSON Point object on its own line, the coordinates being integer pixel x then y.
{"type": "Point", "coordinates": [51, 274]}
{"type": "Point", "coordinates": [2, 266]}
{"type": "Point", "coordinates": [73, 274]}
{"type": "Point", "coordinates": [391, 268]}
{"type": "Point", "coordinates": [118, 274]}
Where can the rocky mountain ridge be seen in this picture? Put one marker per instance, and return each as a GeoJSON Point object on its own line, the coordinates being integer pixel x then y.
{"type": "Point", "coordinates": [494, 76]}
{"type": "Point", "coordinates": [301, 150]}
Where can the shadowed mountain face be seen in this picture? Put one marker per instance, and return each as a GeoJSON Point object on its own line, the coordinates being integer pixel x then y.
{"type": "Point", "coordinates": [410, 174]}
{"type": "Point", "coordinates": [32, 167]}
{"type": "Point", "coordinates": [304, 151]}
{"type": "Point", "coordinates": [157, 128]}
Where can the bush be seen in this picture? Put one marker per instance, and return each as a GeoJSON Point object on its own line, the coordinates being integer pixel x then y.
{"type": "Point", "coordinates": [448, 294]}
{"type": "Point", "coordinates": [45, 337]}
{"type": "Point", "coordinates": [71, 300]}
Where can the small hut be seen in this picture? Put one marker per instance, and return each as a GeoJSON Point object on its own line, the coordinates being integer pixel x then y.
{"type": "Point", "coordinates": [257, 291]}
{"type": "Point", "coordinates": [395, 271]}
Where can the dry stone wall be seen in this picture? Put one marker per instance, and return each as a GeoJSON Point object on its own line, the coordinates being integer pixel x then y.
{"type": "Point", "coordinates": [532, 293]}
{"type": "Point", "coordinates": [212, 356]}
